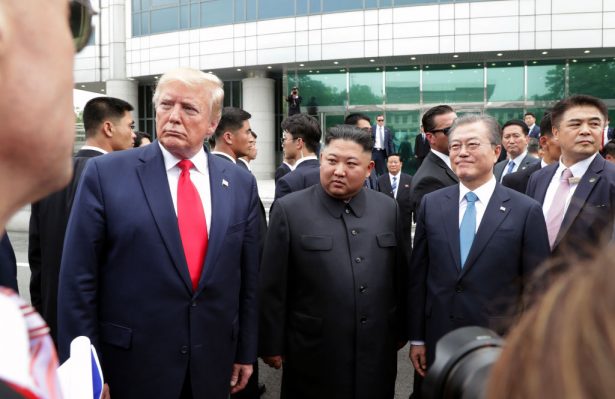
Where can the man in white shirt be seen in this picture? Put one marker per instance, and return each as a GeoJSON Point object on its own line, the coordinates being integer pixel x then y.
{"type": "Point", "coordinates": [383, 145]}
{"type": "Point", "coordinates": [533, 129]}
{"type": "Point", "coordinates": [578, 192]}
{"type": "Point", "coordinates": [474, 244]}
{"type": "Point", "coordinates": [515, 139]}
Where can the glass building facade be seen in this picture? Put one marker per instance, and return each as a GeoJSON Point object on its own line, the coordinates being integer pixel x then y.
{"type": "Point", "coordinates": [158, 16]}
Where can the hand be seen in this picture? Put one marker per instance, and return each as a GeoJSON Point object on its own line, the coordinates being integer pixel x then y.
{"type": "Point", "coordinates": [418, 358]}
{"type": "Point", "coordinates": [273, 361]}
{"type": "Point", "coordinates": [241, 375]}
{"type": "Point", "coordinates": [105, 392]}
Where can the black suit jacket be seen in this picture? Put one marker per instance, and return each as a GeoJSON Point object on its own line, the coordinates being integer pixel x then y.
{"type": "Point", "coordinates": [48, 220]}
{"type": "Point", "coordinates": [8, 264]}
{"type": "Point", "coordinates": [333, 283]}
{"type": "Point", "coordinates": [306, 174]}
{"type": "Point", "coordinates": [403, 200]}
{"type": "Point", "coordinates": [499, 167]}
{"type": "Point", "coordinates": [589, 217]}
{"type": "Point", "coordinates": [535, 132]}
{"type": "Point", "coordinates": [281, 170]}
{"type": "Point", "coordinates": [421, 146]}
{"type": "Point", "coordinates": [432, 175]}
{"type": "Point", "coordinates": [518, 180]}
{"type": "Point", "coordinates": [511, 241]}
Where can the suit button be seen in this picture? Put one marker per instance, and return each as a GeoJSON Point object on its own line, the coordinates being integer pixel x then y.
{"type": "Point", "coordinates": [353, 232]}
{"type": "Point", "coordinates": [358, 260]}
{"type": "Point", "coordinates": [193, 304]}
{"type": "Point", "coordinates": [459, 288]}
{"type": "Point", "coordinates": [362, 289]}
{"type": "Point", "coordinates": [184, 350]}
{"type": "Point", "coordinates": [363, 320]}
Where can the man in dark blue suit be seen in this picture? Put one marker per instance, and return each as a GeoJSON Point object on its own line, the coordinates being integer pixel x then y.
{"type": "Point", "coordinates": [533, 129]}
{"type": "Point", "coordinates": [578, 192]}
{"type": "Point", "coordinates": [301, 138]}
{"type": "Point", "coordinates": [383, 145]}
{"type": "Point", "coordinates": [475, 243]}
{"type": "Point", "coordinates": [174, 316]}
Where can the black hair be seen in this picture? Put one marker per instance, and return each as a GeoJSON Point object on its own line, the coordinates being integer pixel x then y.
{"type": "Point", "coordinates": [428, 117]}
{"type": "Point", "coordinates": [232, 120]}
{"type": "Point", "coordinates": [516, 122]}
{"type": "Point", "coordinates": [545, 125]}
{"type": "Point", "coordinates": [100, 109]}
{"type": "Point", "coordinates": [576, 101]}
{"type": "Point", "coordinates": [354, 118]}
{"type": "Point", "coordinates": [305, 127]}
{"type": "Point", "coordinates": [350, 133]}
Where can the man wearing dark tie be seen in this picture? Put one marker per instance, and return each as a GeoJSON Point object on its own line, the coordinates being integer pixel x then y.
{"type": "Point", "coordinates": [301, 137]}
{"type": "Point", "coordinates": [174, 316]}
{"type": "Point", "coordinates": [108, 124]}
{"type": "Point", "coordinates": [515, 139]}
{"type": "Point", "coordinates": [578, 192]}
{"type": "Point", "coordinates": [397, 184]}
{"type": "Point", "coordinates": [383, 144]}
{"type": "Point", "coordinates": [534, 130]}
{"type": "Point", "coordinates": [421, 147]}
{"type": "Point", "coordinates": [475, 244]}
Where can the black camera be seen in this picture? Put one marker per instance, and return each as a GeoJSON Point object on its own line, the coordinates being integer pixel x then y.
{"type": "Point", "coordinates": [463, 360]}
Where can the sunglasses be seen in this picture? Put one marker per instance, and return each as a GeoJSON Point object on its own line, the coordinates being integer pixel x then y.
{"type": "Point", "coordinates": [446, 130]}
{"type": "Point", "coordinates": [80, 20]}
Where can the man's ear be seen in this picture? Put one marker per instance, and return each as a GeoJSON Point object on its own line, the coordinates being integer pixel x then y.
{"type": "Point", "coordinates": [227, 137]}
{"type": "Point", "coordinates": [107, 128]}
{"type": "Point", "coordinates": [370, 166]}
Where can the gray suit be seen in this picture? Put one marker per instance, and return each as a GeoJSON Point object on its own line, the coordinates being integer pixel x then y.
{"type": "Point", "coordinates": [332, 294]}
{"type": "Point", "coordinates": [499, 167]}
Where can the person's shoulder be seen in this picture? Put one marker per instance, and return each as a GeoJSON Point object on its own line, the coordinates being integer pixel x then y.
{"type": "Point", "coordinates": [520, 199]}
{"type": "Point", "coordinates": [297, 198]}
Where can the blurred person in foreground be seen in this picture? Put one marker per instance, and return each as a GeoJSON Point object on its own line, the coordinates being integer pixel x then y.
{"type": "Point", "coordinates": [176, 317]}
{"type": "Point", "coordinates": [563, 347]}
{"type": "Point", "coordinates": [36, 107]}
{"type": "Point", "coordinates": [333, 281]}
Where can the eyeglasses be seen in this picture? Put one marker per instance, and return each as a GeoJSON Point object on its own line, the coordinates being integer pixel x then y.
{"type": "Point", "coordinates": [470, 146]}
{"type": "Point", "coordinates": [446, 130]}
{"type": "Point", "coordinates": [80, 20]}
{"type": "Point", "coordinates": [380, 120]}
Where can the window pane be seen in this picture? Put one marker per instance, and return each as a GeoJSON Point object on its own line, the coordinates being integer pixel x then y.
{"type": "Point", "coordinates": [136, 5]}
{"type": "Point", "coordinates": [251, 10]}
{"type": "Point", "coordinates": [165, 20]}
{"type": "Point", "coordinates": [405, 125]}
{"type": "Point", "coordinates": [136, 24]}
{"type": "Point", "coordinates": [145, 23]}
{"type": "Point", "coordinates": [445, 84]}
{"type": "Point", "coordinates": [403, 85]}
{"type": "Point", "coordinates": [275, 8]}
{"type": "Point", "coordinates": [240, 11]}
{"type": "Point", "coordinates": [340, 5]}
{"type": "Point", "coordinates": [315, 7]}
{"type": "Point", "coordinates": [327, 87]}
{"type": "Point", "coordinates": [371, 3]}
{"type": "Point", "coordinates": [412, 2]}
{"type": "Point", "coordinates": [302, 7]}
{"type": "Point", "coordinates": [385, 3]}
{"type": "Point", "coordinates": [366, 86]}
{"type": "Point", "coordinates": [163, 3]}
{"type": "Point", "coordinates": [503, 115]}
{"type": "Point", "coordinates": [216, 12]}
{"type": "Point", "coordinates": [590, 76]}
{"type": "Point", "coordinates": [505, 81]}
{"type": "Point", "coordinates": [545, 80]}
{"type": "Point", "coordinates": [195, 19]}
{"type": "Point", "coordinates": [145, 5]}
{"type": "Point", "coordinates": [184, 20]}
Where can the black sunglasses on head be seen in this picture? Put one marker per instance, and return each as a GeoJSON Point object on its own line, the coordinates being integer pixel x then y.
{"type": "Point", "coordinates": [80, 20]}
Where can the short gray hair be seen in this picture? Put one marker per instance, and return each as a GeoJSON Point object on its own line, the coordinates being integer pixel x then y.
{"type": "Point", "coordinates": [190, 77]}
{"type": "Point", "coordinates": [493, 127]}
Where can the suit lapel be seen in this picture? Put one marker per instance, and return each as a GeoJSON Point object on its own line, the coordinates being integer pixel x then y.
{"type": "Point", "coordinates": [443, 165]}
{"type": "Point", "coordinates": [543, 184]}
{"type": "Point", "coordinates": [386, 185]}
{"type": "Point", "coordinates": [450, 221]}
{"type": "Point", "coordinates": [154, 183]}
{"type": "Point", "coordinates": [221, 205]}
{"type": "Point", "coordinates": [590, 179]}
{"type": "Point", "coordinates": [497, 210]}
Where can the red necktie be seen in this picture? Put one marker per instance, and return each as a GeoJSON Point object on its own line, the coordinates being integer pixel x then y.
{"type": "Point", "coordinates": [191, 222]}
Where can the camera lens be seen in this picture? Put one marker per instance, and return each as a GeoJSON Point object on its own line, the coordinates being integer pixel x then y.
{"type": "Point", "coordinates": [463, 360]}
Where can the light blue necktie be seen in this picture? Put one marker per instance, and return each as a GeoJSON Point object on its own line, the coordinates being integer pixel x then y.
{"type": "Point", "coordinates": [394, 185]}
{"type": "Point", "coordinates": [511, 166]}
{"type": "Point", "coordinates": [467, 229]}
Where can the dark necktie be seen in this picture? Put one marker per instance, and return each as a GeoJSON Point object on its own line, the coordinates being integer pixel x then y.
{"type": "Point", "coordinates": [191, 222]}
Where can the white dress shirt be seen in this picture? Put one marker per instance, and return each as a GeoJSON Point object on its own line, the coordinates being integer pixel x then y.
{"type": "Point", "coordinates": [199, 175]}
{"type": "Point", "coordinates": [483, 193]}
{"type": "Point", "coordinates": [517, 162]}
{"type": "Point", "coordinates": [303, 159]}
{"type": "Point", "coordinates": [443, 157]}
{"type": "Point", "coordinates": [94, 148]}
{"type": "Point", "coordinates": [578, 170]}
{"type": "Point", "coordinates": [225, 155]}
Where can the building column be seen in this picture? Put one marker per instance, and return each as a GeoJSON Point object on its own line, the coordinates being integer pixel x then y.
{"type": "Point", "coordinates": [258, 94]}
{"type": "Point", "coordinates": [127, 90]}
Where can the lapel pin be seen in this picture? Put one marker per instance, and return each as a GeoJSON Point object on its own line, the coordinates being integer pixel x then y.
{"type": "Point", "coordinates": [224, 183]}
{"type": "Point", "coordinates": [576, 180]}
{"type": "Point", "coordinates": [406, 185]}
{"type": "Point", "coordinates": [592, 180]}
{"type": "Point", "coordinates": [502, 209]}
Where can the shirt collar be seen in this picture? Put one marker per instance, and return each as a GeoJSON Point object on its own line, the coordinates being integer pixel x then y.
{"type": "Point", "coordinates": [520, 158]}
{"type": "Point", "coordinates": [578, 169]}
{"type": "Point", "coordinates": [94, 148]}
{"type": "Point", "coordinates": [391, 175]}
{"type": "Point", "coordinates": [224, 154]}
{"type": "Point", "coordinates": [483, 192]}
{"type": "Point", "coordinates": [336, 207]}
{"type": "Point", "coordinates": [304, 159]}
{"type": "Point", "coordinates": [443, 157]}
{"type": "Point", "coordinates": [170, 161]}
